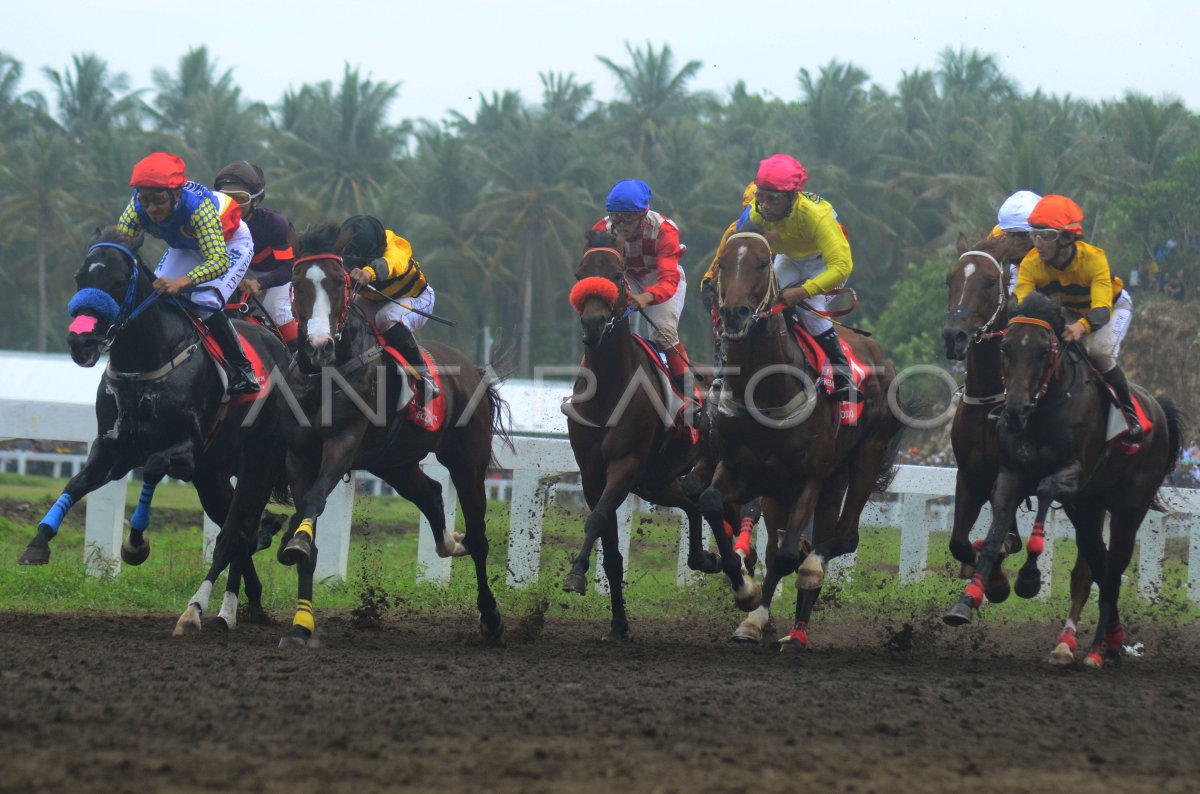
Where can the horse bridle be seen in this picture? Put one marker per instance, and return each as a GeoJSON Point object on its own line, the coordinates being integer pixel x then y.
{"type": "Point", "coordinates": [772, 293]}
{"type": "Point", "coordinates": [983, 331]}
{"type": "Point", "coordinates": [347, 290]}
{"type": "Point", "coordinates": [614, 319]}
{"type": "Point", "coordinates": [1051, 368]}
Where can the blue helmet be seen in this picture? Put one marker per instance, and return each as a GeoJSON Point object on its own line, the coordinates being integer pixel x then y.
{"type": "Point", "coordinates": [628, 195]}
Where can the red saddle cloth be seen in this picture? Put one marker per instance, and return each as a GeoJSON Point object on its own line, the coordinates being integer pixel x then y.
{"type": "Point", "coordinates": [684, 424]}
{"type": "Point", "coordinates": [1120, 443]}
{"type": "Point", "coordinates": [430, 416]}
{"type": "Point", "coordinates": [850, 412]}
{"type": "Point", "coordinates": [218, 356]}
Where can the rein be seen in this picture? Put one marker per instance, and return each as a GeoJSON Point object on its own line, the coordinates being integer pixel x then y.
{"type": "Point", "coordinates": [1051, 368]}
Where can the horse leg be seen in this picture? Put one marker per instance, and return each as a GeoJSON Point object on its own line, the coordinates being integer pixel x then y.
{"type": "Point", "coordinates": [303, 624]}
{"type": "Point", "coordinates": [337, 456]}
{"type": "Point", "coordinates": [602, 523]}
{"type": "Point", "coordinates": [1005, 499]}
{"type": "Point", "coordinates": [1029, 578]}
{"type": "Point", "coordinates": [744, 546]}
{"type": "Point", "coordinates": [811, 572]}
{"type": "Point", "coordinates": [968, 501]}
{"type": "Point", "coordinates": [576, 579]}
{"type": "Point", "coordinates": [472, 496]}
{"type": "Point", "coordinates": [216, 495]}
{"type": "Point", "coordinates": [718, 505]}
{"type": "Point", "coordinates": [699, 559]}
{"type": "Point", "coordinates": [426, 493]}
{"type": "Point", "coordinates": [614, 569]}
{"type": "Point", "coordinates": [755, 624]}
{"type": "Point", "coordinates": [1110, 635]}
{"type": "Point", "coordinates": [255, 480]}
{"type": "Point", "coordinates": [103, 465]}
{"type": "Point", "coordinates": [178, 459]}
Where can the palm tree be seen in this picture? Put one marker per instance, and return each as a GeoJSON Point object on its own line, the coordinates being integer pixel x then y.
{"type": "Point", "coordinates": [90, 100]}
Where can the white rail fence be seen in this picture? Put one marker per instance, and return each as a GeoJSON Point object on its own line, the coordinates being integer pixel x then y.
{"type": "Point", "coordinates": [538, 464]}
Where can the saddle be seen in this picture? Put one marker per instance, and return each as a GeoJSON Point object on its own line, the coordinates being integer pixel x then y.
{"type": "Point", "coordinates": [684, 407]}
{"type": "Point", "coordinates": [217, 356]}
{"type": "Point", "coordinates": [429, 416]}
{"type": "Point", "coordinates": [819, 362]}
{"type": "Point", "coordinates": [1116, 426]}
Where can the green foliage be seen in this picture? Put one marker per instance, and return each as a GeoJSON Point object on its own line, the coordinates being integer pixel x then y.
{"type": "Point", "coordinates": [910, 328]}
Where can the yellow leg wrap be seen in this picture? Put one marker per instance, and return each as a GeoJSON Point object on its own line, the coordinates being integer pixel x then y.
{"type": "Point", "coordinates": [304, 615]}
{"type": "Point", "coordinates": [306, 526]}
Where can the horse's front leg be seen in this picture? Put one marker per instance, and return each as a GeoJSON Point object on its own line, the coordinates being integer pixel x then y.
{"type": "Point", "coordinates": [675, 494]}
{"type": "Point", "coordinates": [619, 477]}
{"type": "Point", "coordinates": [104, 464]}
{"type": "Point", "coordinates": [1060, 486]}
{"type": "Point", "coordinates": [968, 501]}
{"type": "Point", "coordinates": [1006, 497]}
{"type": "Point", "coordinates": [719, 506]}
{"type": "Point", "coordinates": [178, 459]}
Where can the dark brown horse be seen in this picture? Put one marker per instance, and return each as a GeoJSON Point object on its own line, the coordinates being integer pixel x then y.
{"type": "Point", "coordinates": [1053, 444]}
{"type": "Point", "coordinates": [362, 425]}
{"type": "Point", "coordinates": [777, 439]}
{"type": "Point", "coordinates": [620, 428]}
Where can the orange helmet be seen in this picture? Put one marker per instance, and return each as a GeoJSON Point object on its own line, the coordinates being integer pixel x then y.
{"type": "Point", "coordinates": [160, 170]}
{"type": "Point", "coordinates": [1057, 212]}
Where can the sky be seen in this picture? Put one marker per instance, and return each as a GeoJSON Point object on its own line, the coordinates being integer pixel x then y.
{"type": "Point", "coordinates": [448, 54]}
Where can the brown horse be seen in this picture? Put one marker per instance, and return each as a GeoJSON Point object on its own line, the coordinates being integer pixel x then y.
{"type": "Point", "coordinates": [978, 306]}
{"type": "Point", "coordinates": [776, 439]}
{"type": "Point", "coordinates": [1053, 445]}
{"type": "Point", "coordinates": [620, 430]}
{"type": "Point", "coordinates": [362, 425]}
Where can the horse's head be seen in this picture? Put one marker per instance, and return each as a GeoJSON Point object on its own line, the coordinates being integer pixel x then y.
{"type": "Point", "coordinates": [978, 292]}
{"type": "Point", "coordinates": [601, 293]}
{"type": "Point", "coordinates": [1031, 353]}
{"type": "Point", "coordinates": [106, 291]}
{"type": "Point", "coordinates": [320, 291]}
{"type": "Point", "coordinates": [745, 281]}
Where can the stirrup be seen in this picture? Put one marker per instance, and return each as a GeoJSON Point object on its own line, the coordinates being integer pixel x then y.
{"type": "Point", "coordinates": [242, 382]}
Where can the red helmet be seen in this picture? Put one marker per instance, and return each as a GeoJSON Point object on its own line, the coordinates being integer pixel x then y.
{"type": "Point", "coordinates": [1057, 212]}
{"type": "Point", "coordinates": [161, 170]}
{"type": "Point", "coordinates": [781, 172]}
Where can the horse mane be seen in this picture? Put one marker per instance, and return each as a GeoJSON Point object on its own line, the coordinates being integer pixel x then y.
{"type": "Point", "coordinates": [600, 238]}
{"type": "Point", "coordinates": [1039, 307]}
{"type": "Point", "coordinates": [319, 238]}
{"type": "Point", "coordinates": [750, 227]}
{"type": "Point", "coordinates": [114, 234]}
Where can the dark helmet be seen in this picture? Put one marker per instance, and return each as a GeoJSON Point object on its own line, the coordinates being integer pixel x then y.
{"type": "Point", "coordinates": [367, 240]}
{"type": "Point", "coordinates": [242, 173]}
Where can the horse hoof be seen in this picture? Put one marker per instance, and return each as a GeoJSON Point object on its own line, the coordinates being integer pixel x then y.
{"type": "Point", "coordinates": [135, 555]}
{"type": "Point", "coordinates": [748, 633]}
{"type": "Point", "coordinates": [793, 641]}
{"type": "Point", "coordinates": [296, 638]}
{"type": "Point", "coordinates": [453, 546]}
{"type": "Point", "coordinates": [575, 583]}
{"type": "Point", "coordinates": [1028, 586]}
{"type": "Point", "coordinates": [616, 635]}
{"type": "Point", "coordinates": [1062, 655]}
{"type": "Point", "coordinates": [259, 617]}
{"type": "Point", "coordinates": [957, 615]}
{"type": "Point", "coordinates": [748, 602]}
{"type": "Point", "coordinates": [998, 593]}
{"type": "Point", "coordinates": [489, 633]}
{"type": "Point", "coordinates": [188, 622]}
{"type": "Point", "coordinates": [1093, 661]}
{"type": "Point", "coordinates": [219, 624]}
{"type": "Point", "coordinates": [709, 563]}
{"type": "Point", "coordinates": [811, 573]}
{"type": "Point", "coordinates": [34, 555]}
{"type": "Point", "coordinates": [297, 551]}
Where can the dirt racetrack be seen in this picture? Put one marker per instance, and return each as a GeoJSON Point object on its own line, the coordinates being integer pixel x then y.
{"type": "Point", "coordinates": [116, 704]}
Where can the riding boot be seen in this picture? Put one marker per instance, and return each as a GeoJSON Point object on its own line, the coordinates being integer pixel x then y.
{"type": "Point", "coordinates": [400, 337]}
{"type": "Point", "coordinates": [677, 367]}
{"type": "Point", "coordinates": [843, 385]}
{"type": "Point", "coordinates": [242, 379]}
{"type": "Point", "coordinates": [1115, 377]}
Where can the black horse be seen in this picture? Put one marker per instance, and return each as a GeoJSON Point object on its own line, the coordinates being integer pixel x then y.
{"type": "Point", "coordinates": [161, 405]}
{"type": "Point", "coordinates": [1053, 444]}
{"type": "Point", "coordinates": [361, 425]}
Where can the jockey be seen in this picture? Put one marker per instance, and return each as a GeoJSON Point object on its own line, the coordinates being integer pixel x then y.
{"type": "Point", "coordinates": [1012, 219]}
{"type": "Point", "coordinates": [270, 273]}
{"type": "Point", "coordinates": [382, 259]}
{"type": "Point", "coordinates": [812, 254]}
{"type": "Point", "coordinates": [656, 279]}
{"type": "Point", "coordinates": [1122, 313]}
{"type": "Point", "coordinates": [1077, 275]}
{"type": "Point", "coordinates": [209, 247]}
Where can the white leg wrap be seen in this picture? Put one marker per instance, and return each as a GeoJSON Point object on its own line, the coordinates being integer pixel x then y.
{"type": "Point", "coordinates": [200, 599]}
{"type": "Point", "coordinates": [229, 609]}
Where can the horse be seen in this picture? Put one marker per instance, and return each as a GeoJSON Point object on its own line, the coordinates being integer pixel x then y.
{"type": "Point", "coordinates": [777, 439]}
{"type": "Point", "coordinates": [620, 428]}
{"type": "Point", "coordinates": [977, 305]}
{"type": "Point", "coordinates": [162, 407]}
{"type": "Point", "coordinates": [334, 432]}
{"type": "Point", "coordinates": [1053, 444]}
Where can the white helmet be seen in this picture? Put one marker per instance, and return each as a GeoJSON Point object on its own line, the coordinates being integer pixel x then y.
{"type": "Point", "coordinates": [1014, 212]}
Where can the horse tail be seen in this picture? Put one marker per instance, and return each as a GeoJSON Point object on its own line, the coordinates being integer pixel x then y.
{"type": "Point", "coordinates": [913, 405]}
{"type": "Point", "coordinates": [1176, 419]}
{"type": "Point", "coordinates": [498, 370]}
{"type": "Point", "coordinates": [281, 488]}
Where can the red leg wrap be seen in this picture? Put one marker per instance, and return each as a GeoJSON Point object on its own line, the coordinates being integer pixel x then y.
{"type": "Point", "coordinates": [1037, 540]}
{"type": "Point", "coordinates": [799, 633]}
{"type": "Point", "coordinates": [974, 591]}
{"type": "Point", "coordinates": [1114, 640]}
{"type": "Point", "coordinates": [1068, 638]}
{"type": "Point", "coordinates": [728, 529]}
{"type": "Point", "coordinates": [1096, 659]}
{"type": "Point", "coordinates": [743, 543]}
{"type": "Point", "coordinates": [977, 545]}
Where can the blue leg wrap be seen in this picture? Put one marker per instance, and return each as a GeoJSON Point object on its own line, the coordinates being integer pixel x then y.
{"type": "Point", "coordinates": [141, 514]}
{"type": "Point", "coordinates": [57, 512]}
